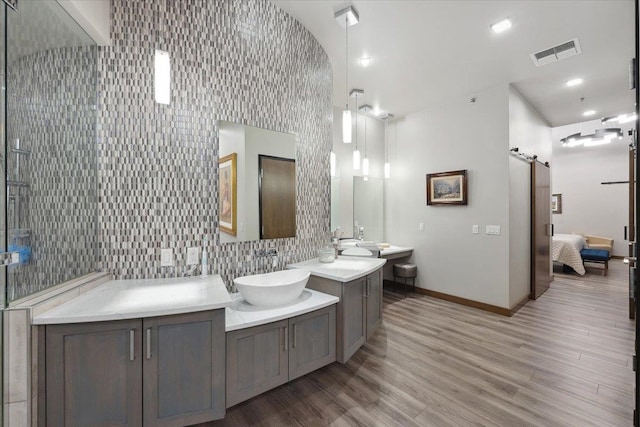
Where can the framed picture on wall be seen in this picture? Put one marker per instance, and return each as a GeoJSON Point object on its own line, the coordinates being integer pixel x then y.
{"type": "Point", "coordinates": [227, 193]}
{"type": "Point", "coordinates": [556, 203]}
{"type": "Point", "coordinates": [447, 188]}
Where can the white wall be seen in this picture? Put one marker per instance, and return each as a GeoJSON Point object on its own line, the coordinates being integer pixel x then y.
{"type": "Point", "coordinates": [457, 135]}
{"type": "Point", "coordinates": [93, 16]}
{"type": "Point", "coordinates": [344, 165]}
{"type": "Point", "coordinates": [589, 207]}
{"type": "Point", "coordinates": [531, 133]}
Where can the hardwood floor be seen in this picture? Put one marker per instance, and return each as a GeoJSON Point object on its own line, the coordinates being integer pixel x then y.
{"type": "Point", "coordinates": [563, 360]}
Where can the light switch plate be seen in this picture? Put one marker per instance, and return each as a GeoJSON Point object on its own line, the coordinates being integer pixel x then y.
{"type": "Point", "coordinates": [493, 230]}
{"type": "Point", "coordinates": [421, 226]}
{"type": "Point", "coordinates": [475, 229]}
{"type": "Point", "coordinates": [15, 258]}
{"type": "Point", "coordinates": [193, 255]}
{"type": "Point", "coordinates": [166, 257]}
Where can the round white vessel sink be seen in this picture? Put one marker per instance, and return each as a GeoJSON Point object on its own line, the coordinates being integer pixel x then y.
{"type": "Point", "coordinates": [271, 289]}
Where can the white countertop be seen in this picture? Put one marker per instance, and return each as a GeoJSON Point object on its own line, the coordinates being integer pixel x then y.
{"type": "Point", "coordinates": [343, 269]}
{"type": "Point", "coordinates": [242, 315]}
{"type": "Point", "coordinates": [395, 250]}
{"type": "Point", "coordinates": [130, 299]}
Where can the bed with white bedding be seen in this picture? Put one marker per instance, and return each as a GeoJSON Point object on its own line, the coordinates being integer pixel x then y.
{"type": "Point", "coordinates": [566, 249]}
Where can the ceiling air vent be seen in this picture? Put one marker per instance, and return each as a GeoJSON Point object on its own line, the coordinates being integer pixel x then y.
{"type": "Point", "coordinates": [556, 53]}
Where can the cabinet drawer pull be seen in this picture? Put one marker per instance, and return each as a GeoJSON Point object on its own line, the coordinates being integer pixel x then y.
{"type": "Point", "coordinates": [286, 338]}
{"type": "Point", "coordinates": [295, 334]}
{"type": "Point", "coordinates": [132, 344]}
{"type": "Point", "coordinates": [148, 343]}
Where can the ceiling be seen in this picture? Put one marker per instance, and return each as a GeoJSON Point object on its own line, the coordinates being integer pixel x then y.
{"type": "Point", "coordinates": [424, 52]}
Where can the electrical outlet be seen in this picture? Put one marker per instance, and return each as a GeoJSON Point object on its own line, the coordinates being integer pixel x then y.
{"type": "Point", "coordinates": [193, 255]}
{"type": "Point", "coordinates": [475, 229]}
{"type": "Point", "coordinates": [421, 226]}
{"type": "Point", "coordinates": [15, 258]}
{"type": "Point", "coordinates": [166, 257]}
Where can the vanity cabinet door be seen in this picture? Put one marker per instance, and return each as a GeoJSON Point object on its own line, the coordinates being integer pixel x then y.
{"type": "Point", "coordinates": [184, 368]}
{"type": "Point", "coordinates": [374, 302]}
{"type": "Point", "coordinates": [257, 360]}
{"type": "Point", "coordinates": [312, 341]}
{"type": "Point", "coordinates": [94, 374]}
{"type": "Point", "coordinates": [353, 332]}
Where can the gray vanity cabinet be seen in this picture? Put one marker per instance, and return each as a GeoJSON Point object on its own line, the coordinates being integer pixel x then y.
{"type": "Point", "coordinates": [94, 374]}
{"type": "Point", "coordinates": [373, 294]}
{"type": "Point", "coordinates": [313, 341]}
{"type": "Point", "coordinates": [184, 369]}
{"type": "Point", "coordinates": [105, 373]}
{"type": "Point", "coordinates": [257, 360]}
{"type": "Point", "coordinates": [263, 357]}
{"type": "Point", "coordinates": [359, 312]}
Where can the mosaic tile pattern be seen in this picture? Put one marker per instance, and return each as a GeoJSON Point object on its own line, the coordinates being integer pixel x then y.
{"type": "Point", "coordinates": [51, 102]}
{"type": "Point", "coordinates": [240, 61]}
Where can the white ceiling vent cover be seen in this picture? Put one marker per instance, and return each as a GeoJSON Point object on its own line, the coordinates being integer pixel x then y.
{"type": "Point", "coordinates": [556, 53]}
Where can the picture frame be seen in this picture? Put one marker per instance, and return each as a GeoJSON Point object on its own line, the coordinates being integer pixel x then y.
{"type": "Point", "coordinates": [556, 203]}
{"type": "Point", "coordinates": [228, 194]}
{"type": "Point", "coordinates": [447, 188]}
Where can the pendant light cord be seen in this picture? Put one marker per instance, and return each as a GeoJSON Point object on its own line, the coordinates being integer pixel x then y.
{"type": "Point", "coordinates": [346, 60]}
{"type": "Point", "coordinates": [386, 140]}
{"type": "Point", "coordinates": [365, 137]}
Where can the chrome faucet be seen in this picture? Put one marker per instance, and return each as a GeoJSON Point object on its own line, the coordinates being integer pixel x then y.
{"type": "Point", "coordinates": [361, 233]}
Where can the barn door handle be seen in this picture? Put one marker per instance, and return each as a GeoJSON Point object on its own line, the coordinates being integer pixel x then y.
{"type": "Point", "coordinates": [625, 232]}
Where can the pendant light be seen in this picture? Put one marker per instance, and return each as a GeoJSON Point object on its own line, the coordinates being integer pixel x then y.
{"type": "Point", "coordinates": [347, 17]}
{"type": "Point", "coordinates": [365, 161]}
{"type": "Point", "coordinates": [346, 114]}
{"type": "Point", "coordinates": [356, 152]}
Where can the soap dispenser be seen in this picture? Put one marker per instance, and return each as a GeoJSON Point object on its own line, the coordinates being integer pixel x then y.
{"type": "Point", "coordinates": [205, 259]}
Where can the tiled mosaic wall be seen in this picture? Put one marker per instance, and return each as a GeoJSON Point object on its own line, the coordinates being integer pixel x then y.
{"type": "Point", "coordinates": [240, 61]}
{"type": "Point", "coordinates": [51, 102]}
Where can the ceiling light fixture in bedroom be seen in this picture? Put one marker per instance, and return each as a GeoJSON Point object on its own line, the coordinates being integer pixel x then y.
{"type": "Point", "coordinates": [600, 137]}
{"type": "Point", "coordinates": [622, 118]}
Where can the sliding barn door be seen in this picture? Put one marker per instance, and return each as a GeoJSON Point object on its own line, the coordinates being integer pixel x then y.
{"type": "Point", "coordinates": [541, 229]}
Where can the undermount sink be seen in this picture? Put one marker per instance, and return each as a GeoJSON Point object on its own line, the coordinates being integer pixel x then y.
{"type": "Point", "coordinates": [271, 289]}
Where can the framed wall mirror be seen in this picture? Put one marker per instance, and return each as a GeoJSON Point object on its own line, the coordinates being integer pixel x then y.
{"type": "Point", "coordinates": [260, 203]}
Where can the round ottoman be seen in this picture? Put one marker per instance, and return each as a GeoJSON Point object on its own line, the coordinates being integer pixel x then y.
{"type": "Point", "coordinates": [406, 271]}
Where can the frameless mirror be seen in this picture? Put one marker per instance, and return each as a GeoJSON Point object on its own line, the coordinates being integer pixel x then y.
{"type": "Point", "coordinates": [257, 183]}
{"type": "Point", "coordinates": [368, 207]}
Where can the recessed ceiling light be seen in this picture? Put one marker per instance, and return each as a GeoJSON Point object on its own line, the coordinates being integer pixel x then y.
{"type": "Point", "coordinates": [589, 113]}
{"type": "Point", "coordinates": [365, 61]}
{"type": "Point", "coordinates": [574, 82]}
{"type": "Point", "coordinates": [501, 26]}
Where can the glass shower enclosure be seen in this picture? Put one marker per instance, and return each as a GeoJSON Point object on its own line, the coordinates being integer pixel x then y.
{"type": "Point", "coordinates": [48, 148]}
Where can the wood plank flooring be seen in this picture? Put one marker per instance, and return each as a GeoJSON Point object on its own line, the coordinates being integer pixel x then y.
{"type": "Point", "coordinates": [563, 360]}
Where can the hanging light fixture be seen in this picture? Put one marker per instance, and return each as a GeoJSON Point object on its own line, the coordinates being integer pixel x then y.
{"type": "Point", "coordinates": [347, 17]}
{"type": "Point", "coordinates": [356, 152]}
{"type": "Point", "coordinates": [599, 137]}
{"type": "Point", "coordinates": [365, 161]}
